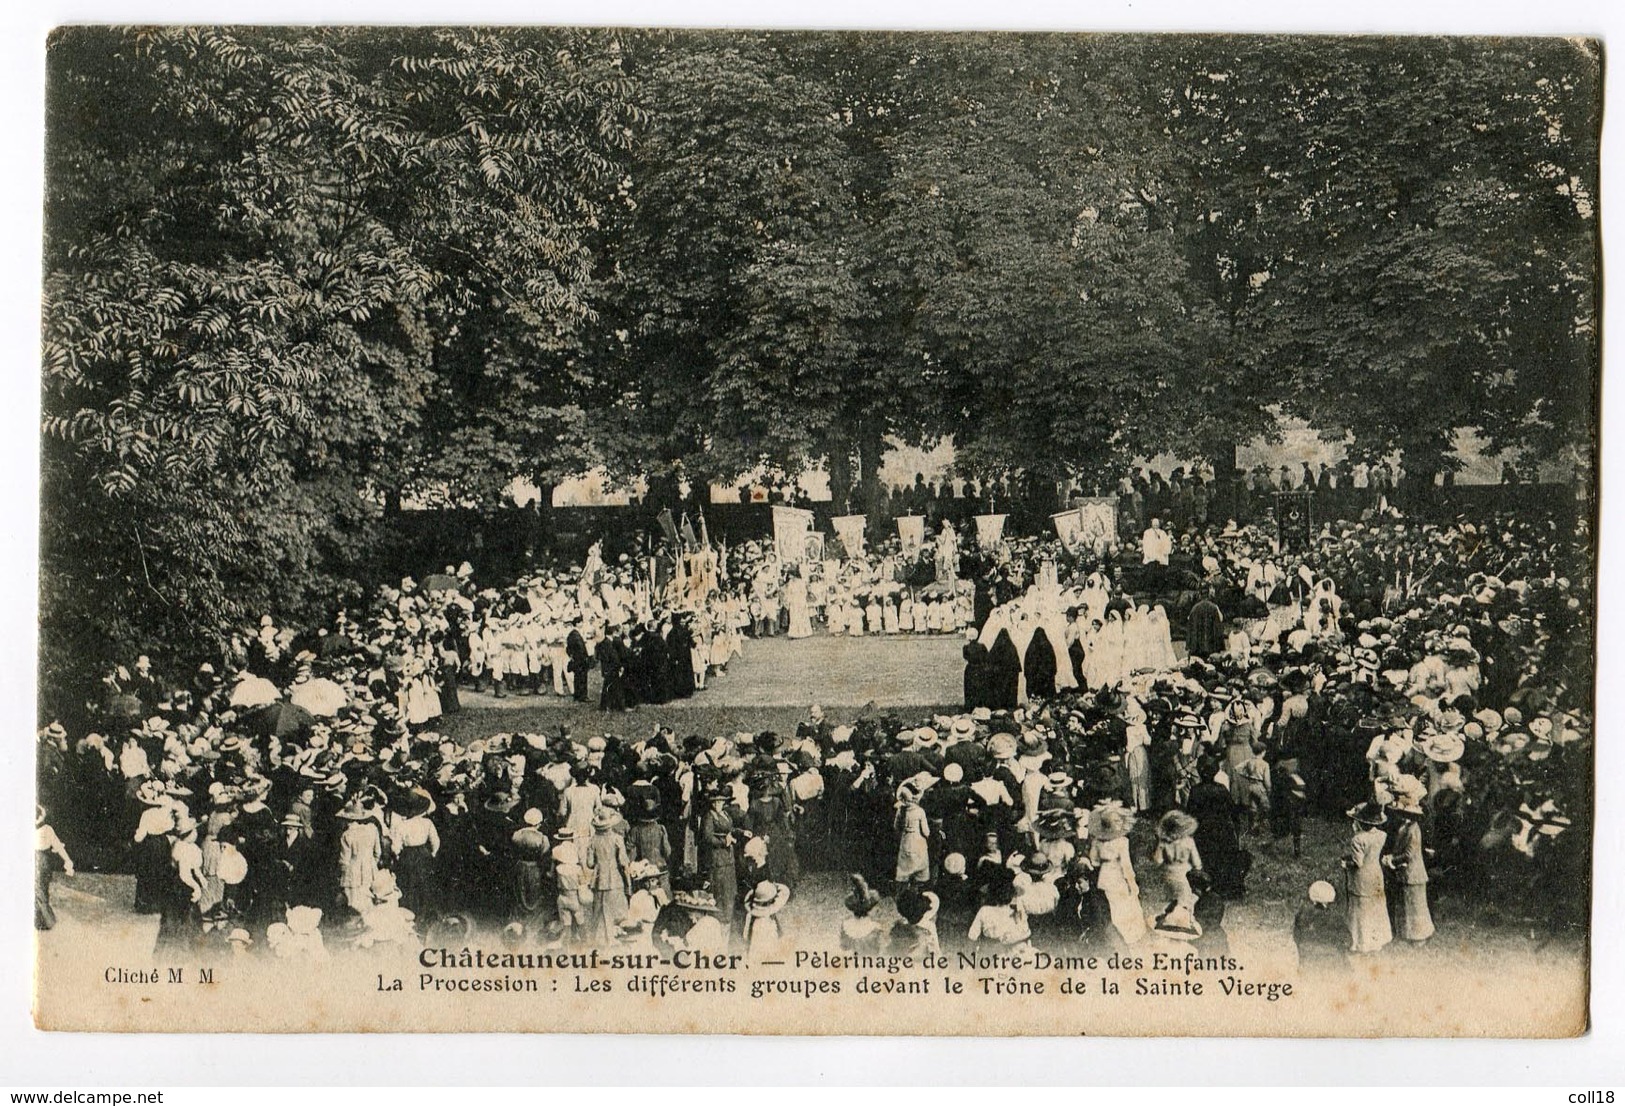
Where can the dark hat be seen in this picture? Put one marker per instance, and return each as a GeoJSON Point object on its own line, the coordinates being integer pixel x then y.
{"type": "Point", "coordinates": [1369, 814]}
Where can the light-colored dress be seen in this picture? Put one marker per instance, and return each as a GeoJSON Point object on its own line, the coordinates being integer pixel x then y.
{"type": "Point", "coordinates": [577, 806]}
{"type": "Point", "coordinates": [1114, 874]}
{"type": "Point", "coordinates": [1000, 925]}
{"type": "Point", "coordinates": [795, 601]}
{"type": "Point", "coordinates": [1178, 859]}
{"type": "Point", "coordinates": [913, 863]}
{"type": "Point", "coordinates": [1369, 928]}
{"type": "Point", "coordinates": [360, 846]}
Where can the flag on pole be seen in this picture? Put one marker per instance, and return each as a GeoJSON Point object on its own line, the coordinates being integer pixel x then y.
{"type": "Point", "coordinates": [691, 543]}
{"type": "Point", "coordinates": [668, 525]}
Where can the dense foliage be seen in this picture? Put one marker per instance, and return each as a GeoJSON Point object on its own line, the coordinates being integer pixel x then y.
{"type": "Point", "coordinates": [295, 275]}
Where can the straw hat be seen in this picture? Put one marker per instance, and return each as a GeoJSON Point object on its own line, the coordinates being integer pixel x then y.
{"type": "Point", "coordinates": [767, 899]}
{"type": "Point", "coordinates": [1109, 821]}
{"type": "Point", "coordinates": [1174, 825]}
{"type": "Point", "coordinates": [1408, 789]}
{"type": "Point", "coordinates": [1368, 814]}
{"type": "Point", "coordinates": [702, 901]}
{"type": "Point", "coordinates": [1443, 748]}
{"type": "Point", "coordinates": [640, 870]}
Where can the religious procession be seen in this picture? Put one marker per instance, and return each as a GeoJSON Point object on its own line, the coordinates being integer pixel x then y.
{"type": "Point", "coordinates": [1413, 681]}
{"type": "Point", "coordinates": [581, 491]}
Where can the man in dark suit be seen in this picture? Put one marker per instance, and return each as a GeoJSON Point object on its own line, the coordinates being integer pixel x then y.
{"type": "Point", "coordinates": [575, 648]}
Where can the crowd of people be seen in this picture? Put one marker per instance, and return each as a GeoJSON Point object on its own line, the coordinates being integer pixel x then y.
{"type": "Point", "coordinates": [1429, 684]}
{"type": "Point", "coordinates": [886, 590]}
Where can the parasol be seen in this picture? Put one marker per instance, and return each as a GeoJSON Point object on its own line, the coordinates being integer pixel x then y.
{"type": "Point", "coordinates": [321, 697]}
{"type": "Point", "coordinates": [333, 645]}
{"type": "Point", "coordinates": [254, 691]}
{"type": "Point", "coordinates": [440, 582]}
{"type": "Point", "coordinates": [279, 720]}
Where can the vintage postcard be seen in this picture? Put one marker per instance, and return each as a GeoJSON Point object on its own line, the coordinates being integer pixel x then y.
{"type": "Point", "coordinates": [656, 531]}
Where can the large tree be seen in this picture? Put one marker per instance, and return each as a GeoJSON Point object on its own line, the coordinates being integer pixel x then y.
{"type": "Point", "coordinates": [263, 250]}
{"type": "Point", "coordinates": [1400, 232]}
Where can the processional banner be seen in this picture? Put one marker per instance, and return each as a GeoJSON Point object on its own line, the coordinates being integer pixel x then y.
{"type": "Point", "coordinates": [849, 528]}
{"type": "Point", "coordinates": [989, 530]}
{"type": "Point", "coordinates": [1097, 518]}
{"type": "Point", "coordinates": [911, 529]}
{"type": "Point", "coordinates": [1069, 528]}
{"type": "Point", "coordinates": [790, 528]}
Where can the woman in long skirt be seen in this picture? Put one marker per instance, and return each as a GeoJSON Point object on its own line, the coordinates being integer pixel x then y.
{"type": "Point", "coordinates": [913, 833]}
{"type": "Point", "coordinates": [1369, 928]}
{"type": "Point", "coordinates": [1405, 858]}
{"type": "Point", "coordinates": [1176, 852]}
{"type": "Point", "coordinates": [1114, 871]}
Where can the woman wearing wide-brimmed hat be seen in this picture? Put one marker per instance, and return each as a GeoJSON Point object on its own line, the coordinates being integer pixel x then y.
{"type": "Point", "coordinates": [1369, 927]}
{"type": "Point", "coordinates": [150, 860]}
{"type": "Point", "coordinates": [764, 938]}
{"type": "Point", "coordinates": [416, 843]}
{"type": "Point", "coordinates": [606, 861]}
{"type": "Point", "coordinates": [689, 921]}
{"type": "Point", "coordinates": [1177, 854]}
{"type": "Point", "coordinates": [1406, 859]}
{"type": "Point", "coordinates": [1109, 825]}
{"type": "Point", "coordinates": [771, 816]}
{"type": "Point", "coordinates": [913, 831]}
{"type": "Point", "coordinates": [360, 850]}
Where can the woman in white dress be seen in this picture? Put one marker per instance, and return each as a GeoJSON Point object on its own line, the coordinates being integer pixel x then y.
{"type": "Point", "coordinates": [1114, 870]}
{"type": "Point", "coordinates": [854, 616]}
{"type": "Point", "coordinates": [795, 601]}
{"type": "Point", "coordinates": [1162, 641]}
{"type": "Point", "coordinates": [1111, 645]}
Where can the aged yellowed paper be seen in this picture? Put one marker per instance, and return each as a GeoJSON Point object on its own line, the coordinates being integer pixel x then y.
{"type": "Point", "coordinates": [817, 533]}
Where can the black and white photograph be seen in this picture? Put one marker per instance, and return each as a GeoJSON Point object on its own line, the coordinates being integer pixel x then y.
{"type": "Point", "coordinates": [652, 530]}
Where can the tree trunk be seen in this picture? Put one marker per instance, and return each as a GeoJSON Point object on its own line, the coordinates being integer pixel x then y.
{"type": "Point", "coordinates": [544, 515]}
{"type": "Point", "coordinates": [839, 460]}
{"type": "Point", "coordinates": [871, 448]}
{"type": "Point", "coordinates": [1226, 502]}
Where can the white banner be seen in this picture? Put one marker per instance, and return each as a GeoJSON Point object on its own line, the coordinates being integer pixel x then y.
{"type": "Point", "coordinates": [790, 528]}
{"type": "Point", "coordinates": [911, 529]}
{"type": "Point", "coordinates": [849, 528]}
{"type": "Point", "coordinates": [1098, 522]}
{"type": "Point", "coordinates": [1069, 528]}
{"type": "Point", "coordinates": [989, 529]}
